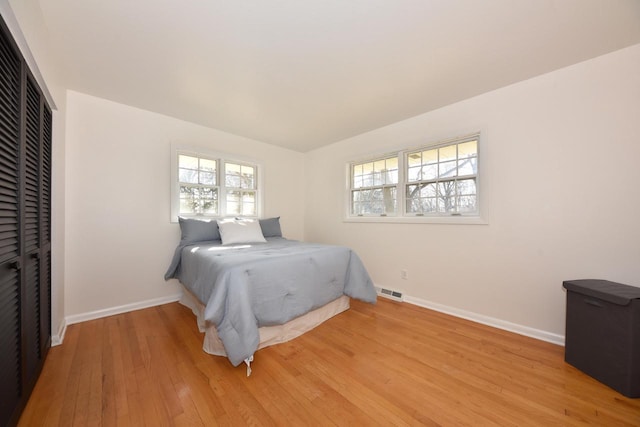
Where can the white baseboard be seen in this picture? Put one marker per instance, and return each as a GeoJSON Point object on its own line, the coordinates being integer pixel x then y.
{"type": "Point", "coordinates": [57, 339]}
{"type": "Point", "coordinates": [474, 317]}
{"type": "Point", "coordinates": [489, 321]}
{"type": "Point", "coordinates": [98, 314]}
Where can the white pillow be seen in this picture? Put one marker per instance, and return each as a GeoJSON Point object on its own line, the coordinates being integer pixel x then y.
{"type": "Point", "coordinates": [240, 231]}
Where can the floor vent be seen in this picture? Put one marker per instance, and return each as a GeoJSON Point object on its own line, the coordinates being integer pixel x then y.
{"type": "Point", "coordinates": [389, 293]}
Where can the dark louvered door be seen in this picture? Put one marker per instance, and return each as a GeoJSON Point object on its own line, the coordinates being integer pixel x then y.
{"type": "Point", "coordinates": [45, 230]}
{"type": "Point", "coordinates": [10, 260]}
{"type": "Point", "coordinates": [25, 230]}
{"type": "Point", "coordinates": [31, 231]}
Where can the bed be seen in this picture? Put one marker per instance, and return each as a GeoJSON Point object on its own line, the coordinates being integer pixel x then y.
{"type": "Point", "coordinates": [249, 287]}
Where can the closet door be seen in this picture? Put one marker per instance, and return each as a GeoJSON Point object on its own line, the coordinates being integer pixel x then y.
{"type": "Point", "coordinates": [25, 230]}
{"type": "Point", "coordinates": [45, 228]}
{"type": "Point", "coordinates": [10, 260]}
{"type": "Point", "coordinates": [31, 232]}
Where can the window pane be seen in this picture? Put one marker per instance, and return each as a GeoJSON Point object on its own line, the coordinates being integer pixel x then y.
{"type": "Point", "coordinates": [187, 162]}
{"type": "Point", "coordinates": [421, 190]}
{"type": "Point", "coordinates": [468, 166]}
{"type": "Point", "coordinates": [207, 178]}
{"type": "Point", "coordinates": [467, 204]}
{"type": "Point", "coordinates": [232, 168]}
{"type": "Point", "coordinates": [376, 173]}
{"type": "Point", "coordinates": [233, 203]}
{"type": "Point", "coordinates": [247, 203]}
{"type": "Point", "coordinates": [379, 165]}
{"type": "Point", "coordinates": [232, 175]}
{"type": "Point", "coordinates": [392, 163]}
{"type": "Point", "coordinates": [186, 206]}
{"type": "Point", "coordinates": [413, 205]}
{"type": "Point", "coordinates": [426, 205]}
{"type": "Point", "coordinates": [375, 201]}
{"type": "Point", "coordinates": [446, 189]}
{"type": "Point", "coordinates": [468, 149]}
{"type": "Point", "coordinates": [188, 175]}
{"type": "Point", "coordinates": [249, 197]}
{"type": "Point", "coordinates": [421, 198]}
{"type": "Point", "coordinates": [233, 181]}
{"type": "Point", "coordinates": [211, 208]}
{"type": "Point", "coordinates": [429, 190]}
{"type": "Point", "coordinates": [391, 171]}
{"type": "Point", "coordinates": [248, 174]}
{"type": "Point", "coordinates": [356, 205]}
{"type": "Point", "coordinates": [430, 171]}
{"type": "Point", "coordinates": [412, 191]}
{"type": "Point", "coordinates": [391, 176]}
{"type": "Point", "coordinates": [377, 178]}
{"type": "Point", "coordinates": [467, 187]}
{"type": "Point", "coordinates": [447, 169]}
{"type": "Point", "coordinates": [188, 199]}
{"type": "Point", "coordinates": [389, 198]}
{"type": "Point", "coordinates": [414, 159]}
{"type": "Point", "coordinates": [233, 196]}
{"type": "Point", "coordinates": [249, 209]}
{"type": "Point", "coordinates": [415, 173]}
{"type": "Point", "coordinates": [194, 170]}
{"type": "Point", "coordinates": [208, 202]}
{"type": "Point", "coordinates": [198, 200]}
{"type": "Point", "coordinates": [430, 156]}
{"type": "Point", "coordinates": [446, 197]}
{"type": "Point", "coordinates": [207, 165]}
{"type": "Point", "coordinates": [429, 205]}
{"type": "Point", "coordinates": [367, 168]}
{"type": "Point", "coordinates": [447, 153]}
{"type": "Point", "coordinates": [233, 208]}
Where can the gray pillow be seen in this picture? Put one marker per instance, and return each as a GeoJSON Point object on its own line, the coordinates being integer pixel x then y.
{"type": "Point", "coordinates": [271, 227]}
{"type": "Point", "coordinates": [197, 230]}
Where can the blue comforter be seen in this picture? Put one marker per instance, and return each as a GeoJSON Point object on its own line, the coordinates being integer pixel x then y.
{"type": "Point", "coordinates": [244, 287]}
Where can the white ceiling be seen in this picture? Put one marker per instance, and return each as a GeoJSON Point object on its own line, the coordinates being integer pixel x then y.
{"type": "Point", "coordinates": [305, 73]}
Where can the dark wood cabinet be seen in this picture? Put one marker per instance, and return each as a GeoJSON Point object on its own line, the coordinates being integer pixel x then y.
{"type": "Point", "coordinates": [25, 230]}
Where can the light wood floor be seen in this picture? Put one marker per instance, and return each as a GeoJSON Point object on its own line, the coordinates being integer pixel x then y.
{"type": "Point", "coordinates": [389, 364]}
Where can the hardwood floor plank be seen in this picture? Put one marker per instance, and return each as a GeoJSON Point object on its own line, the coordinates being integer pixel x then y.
{"type": "Point", "coordinates": [388, 364]}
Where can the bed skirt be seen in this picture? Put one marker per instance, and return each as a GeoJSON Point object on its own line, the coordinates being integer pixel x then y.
{"type": "Point", "coordinates": [269, 335]}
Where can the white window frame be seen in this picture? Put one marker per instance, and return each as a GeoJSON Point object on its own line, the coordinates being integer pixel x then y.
{"type": "Point", "coordinates": [222, 159]}
{"type": "Point", "coordinates": [381, 186]}
{"type": "Point", "coordinates": [480, 216]}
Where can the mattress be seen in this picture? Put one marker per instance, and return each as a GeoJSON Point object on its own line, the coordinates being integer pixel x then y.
{"type": "Point", "coordinates": [269, 335]}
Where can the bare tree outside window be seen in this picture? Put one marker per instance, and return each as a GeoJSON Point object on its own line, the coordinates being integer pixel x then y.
{"type": "Point", "coordinates": [443, 180]}
{"type": "Point", "coordinates": [440, 180]}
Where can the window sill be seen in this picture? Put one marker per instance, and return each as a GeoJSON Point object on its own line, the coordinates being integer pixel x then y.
{"type": "Point", "coordinates": [461, 220]}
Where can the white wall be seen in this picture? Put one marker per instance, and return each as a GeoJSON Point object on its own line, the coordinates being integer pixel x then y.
{"type": "Point", "coordinates": [563, 167]}
{"type": "Point", "coordinates": [119, 238]}
{"type": "Point", "coordinates": [24, 19]}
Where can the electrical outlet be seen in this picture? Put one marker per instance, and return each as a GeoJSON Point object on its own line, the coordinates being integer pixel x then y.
{"type": "Point", "coordinates": [404, 275]}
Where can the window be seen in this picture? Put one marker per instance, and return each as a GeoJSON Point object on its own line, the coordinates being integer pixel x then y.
{"type": "Point", "coordinates": [240, 182]}
{"type": "Point", "coordinates": [442, 180]}
{"type": "Point", "coordinates": [198, 181]}
{"type": "Point", "coordinates": [435, 183]}
{"type": "Point", "coordinates": [374, 187]}
{"type": "Point", "coordinates": [213, 185]}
